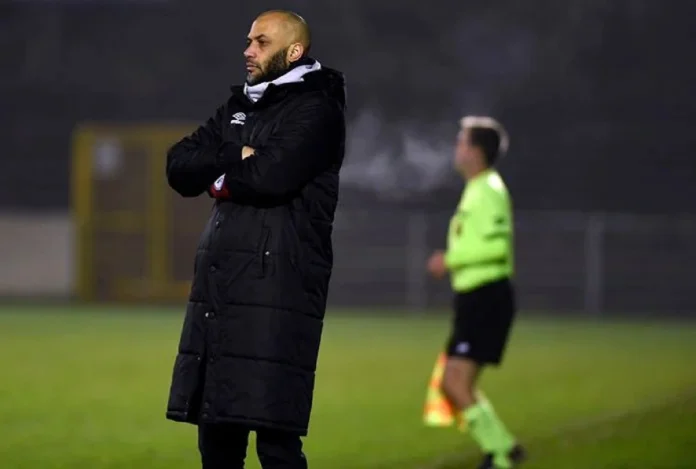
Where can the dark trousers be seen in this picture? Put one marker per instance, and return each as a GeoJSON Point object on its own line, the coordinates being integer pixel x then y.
{"type": "Point", "coordinates": [224, 446]}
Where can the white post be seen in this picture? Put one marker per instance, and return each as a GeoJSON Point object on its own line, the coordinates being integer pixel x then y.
{"type": "Point", "coordinates": [594, 263]}
{"type": "Point", "coordinates": [416, 256]}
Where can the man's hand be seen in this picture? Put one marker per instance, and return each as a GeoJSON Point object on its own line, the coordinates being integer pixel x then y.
{"type": "Point", "coordinates": [436, 264]}
{"type": "Point", "coordinates": [247, 152]}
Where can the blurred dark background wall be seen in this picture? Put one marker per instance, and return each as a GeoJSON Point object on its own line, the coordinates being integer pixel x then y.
{"type": "Point", "coordinates": [598, 96]}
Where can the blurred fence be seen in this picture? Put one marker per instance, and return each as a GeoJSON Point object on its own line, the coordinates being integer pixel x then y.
{"type": "Point", "coordinates": [136, 241]}
{"type": "Point", "coordinates": [599, 263]}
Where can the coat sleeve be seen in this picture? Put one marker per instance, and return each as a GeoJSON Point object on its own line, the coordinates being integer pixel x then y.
{"type": "Point", "coordinates": [193, 163]}
{"type": "Point", "coordinates": [302, 147]}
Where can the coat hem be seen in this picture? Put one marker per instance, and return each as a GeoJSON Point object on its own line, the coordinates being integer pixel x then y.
{"type": "Point", "coordinates": [253, 424]}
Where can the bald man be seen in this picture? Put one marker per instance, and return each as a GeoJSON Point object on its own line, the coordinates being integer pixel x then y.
{"type": "Point", "coordinates": [270, 158]}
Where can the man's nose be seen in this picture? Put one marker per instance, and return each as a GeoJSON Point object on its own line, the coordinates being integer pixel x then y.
{"type": "Point", "coordinates": [249, 52]}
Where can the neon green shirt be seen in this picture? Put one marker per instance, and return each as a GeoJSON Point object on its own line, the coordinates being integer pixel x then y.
{"type": "Point", "coordinates": [480, 238]}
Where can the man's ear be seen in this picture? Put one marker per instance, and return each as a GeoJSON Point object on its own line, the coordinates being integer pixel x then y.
{"type": "Point", "coordinates": [295, 52]}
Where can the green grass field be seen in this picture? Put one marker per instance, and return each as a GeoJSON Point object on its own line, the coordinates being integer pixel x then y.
{"type": "Point", "coordinates": [86, 388]}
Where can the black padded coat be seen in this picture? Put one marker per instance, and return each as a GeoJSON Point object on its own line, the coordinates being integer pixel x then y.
{"type": "Point", "coordinates": [253, 324]}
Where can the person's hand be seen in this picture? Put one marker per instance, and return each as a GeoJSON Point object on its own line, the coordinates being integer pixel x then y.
{"type": "Point", "coordinates": [247, 152]}
{"type": "Point", "coordinates": [436, 264]}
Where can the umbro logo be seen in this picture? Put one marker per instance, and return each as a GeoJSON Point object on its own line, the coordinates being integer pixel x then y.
{"type": "Point", "coordinates": [238, 119]}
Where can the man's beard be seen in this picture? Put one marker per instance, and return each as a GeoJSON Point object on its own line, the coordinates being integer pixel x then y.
{"type": "Point", "coordinates": [275, 67]}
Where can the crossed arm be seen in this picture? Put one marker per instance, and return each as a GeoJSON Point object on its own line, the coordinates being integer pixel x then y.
{"type": "Point", "coordinates": [291, 157]}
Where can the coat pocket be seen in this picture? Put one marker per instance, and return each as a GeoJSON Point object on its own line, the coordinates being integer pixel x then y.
{"type": "Point", "coordinates": [228, 281]}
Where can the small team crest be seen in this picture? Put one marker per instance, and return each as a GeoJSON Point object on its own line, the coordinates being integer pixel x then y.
{"type": "Point", "coordinates": [462, 348]}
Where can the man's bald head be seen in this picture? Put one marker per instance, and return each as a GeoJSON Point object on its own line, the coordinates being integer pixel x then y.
{"type": "Point", "coordinates": [277, 39]}
{"type": "Point", "coordinates": [294, 25]}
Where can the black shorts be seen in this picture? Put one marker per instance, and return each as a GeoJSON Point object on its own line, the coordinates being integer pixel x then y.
{"type": "Point", "coordinates": [482, 321]}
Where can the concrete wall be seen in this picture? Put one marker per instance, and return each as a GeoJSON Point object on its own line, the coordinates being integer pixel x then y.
{"type": "Point", "coordinates": [36, 255]}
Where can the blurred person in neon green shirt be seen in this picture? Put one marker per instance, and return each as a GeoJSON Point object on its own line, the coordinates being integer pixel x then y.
{"type": "Point", "coordinates": [480, 262]}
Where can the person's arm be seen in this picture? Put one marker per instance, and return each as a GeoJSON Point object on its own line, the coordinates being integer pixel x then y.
{"type": "Point", "coordinates": [194, 163]}
{"type": "Point", "coordinates": [300, 149]}
{"type": "Point", "coordinates": [485, 236]}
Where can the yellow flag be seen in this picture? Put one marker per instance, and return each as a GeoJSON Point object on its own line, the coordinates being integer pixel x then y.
{"type": "Point", "coordinates": [438, 411]}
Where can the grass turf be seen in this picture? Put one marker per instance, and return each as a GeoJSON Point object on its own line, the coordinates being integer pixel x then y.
{"type": "Point", "coordinates": [86, 388]}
